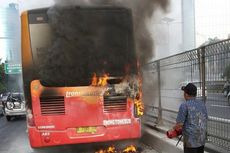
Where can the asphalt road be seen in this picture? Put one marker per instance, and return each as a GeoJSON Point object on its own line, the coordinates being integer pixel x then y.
{"type": "Point", "coordinates": [13, 139]}
{"type": "Point", "coordinates": [218, 106]}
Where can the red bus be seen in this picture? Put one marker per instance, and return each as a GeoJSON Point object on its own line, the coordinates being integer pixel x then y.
{"type": "Point", "coordinates": [80, 75]}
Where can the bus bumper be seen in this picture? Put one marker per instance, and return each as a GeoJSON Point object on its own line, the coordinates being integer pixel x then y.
{"type": "Point", "coordinates": [43, 138]}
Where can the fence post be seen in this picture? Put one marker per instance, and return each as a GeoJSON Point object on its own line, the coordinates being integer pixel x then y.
{"type": "Point", "coordinates": [159, 119]}
{"type": "Point", "coordinates": [203, 72]}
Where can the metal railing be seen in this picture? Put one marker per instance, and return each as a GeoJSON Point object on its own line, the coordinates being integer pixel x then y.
{"type": "Point", "coordinates": [204, 66]}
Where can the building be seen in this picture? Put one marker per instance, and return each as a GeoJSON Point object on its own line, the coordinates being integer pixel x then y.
{"type": "Point", "coordinates": [188, 24]}
{"type": "Point", "coordinates": [10, 45]}
{"type": "Point", "coordinates": [10, 33]}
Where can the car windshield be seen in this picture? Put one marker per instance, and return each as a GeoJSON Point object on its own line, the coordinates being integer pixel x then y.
{"type": "Point", "coordinates": [4, 98]}
{"type": "Point", "coordinates": [15, 97]}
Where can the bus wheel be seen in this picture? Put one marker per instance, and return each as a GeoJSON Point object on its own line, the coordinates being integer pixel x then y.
{"type": "Point", "coordinates": [8, 118]}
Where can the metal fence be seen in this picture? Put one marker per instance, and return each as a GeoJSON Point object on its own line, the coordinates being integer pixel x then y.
{"type": "Point", "coordinates": [204, 66]}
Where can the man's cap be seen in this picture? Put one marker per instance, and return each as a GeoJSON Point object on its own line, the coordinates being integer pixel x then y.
{"type": "Point", "coordinates": [190, 89]}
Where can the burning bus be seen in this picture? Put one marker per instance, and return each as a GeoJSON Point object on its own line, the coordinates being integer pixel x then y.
{"type": "Point", "coordinates": [80, 75]}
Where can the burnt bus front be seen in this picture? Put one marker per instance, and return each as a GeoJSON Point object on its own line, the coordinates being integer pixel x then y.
{"type": "Point", "coordinates": [80, 75]}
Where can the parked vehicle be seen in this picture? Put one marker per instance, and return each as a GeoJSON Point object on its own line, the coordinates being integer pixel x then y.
{"type": "Point", "coordinates": [226, 88]}
{"type": "Point", "coordinates": [13, 105]}
{"type": "Point", "coordinates": [3, 98]}
{"type": "Point", "coordinates": [228, 96]}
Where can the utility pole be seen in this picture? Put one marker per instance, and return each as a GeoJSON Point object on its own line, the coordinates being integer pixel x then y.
{"type": "Point", "coordinates": [168, 20]}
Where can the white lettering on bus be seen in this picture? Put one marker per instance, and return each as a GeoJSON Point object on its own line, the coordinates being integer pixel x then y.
{"type": "Point", "coordinates": [72, 93]}
{"type": "Point", "coordinates": [45, 134]}
{"type": "Point", "coordinates": [46, 127]}
{"type": "Point", "coordinates": [117, 122]}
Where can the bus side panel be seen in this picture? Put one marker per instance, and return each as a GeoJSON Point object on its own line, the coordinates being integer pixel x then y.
{"type": "Point", "coordinates": [34, 137]}
{"type": "Point", "coordinates": [27, 62]}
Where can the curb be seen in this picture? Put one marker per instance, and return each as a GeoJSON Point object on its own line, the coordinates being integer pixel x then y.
{"type": "Point", "coordinates": [155, 136]}
{"type": "Point", "coordinates": [160, 142]}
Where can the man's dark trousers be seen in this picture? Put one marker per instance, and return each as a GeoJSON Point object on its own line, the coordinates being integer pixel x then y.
{"type": "Point", "coordinates": [194, 150]}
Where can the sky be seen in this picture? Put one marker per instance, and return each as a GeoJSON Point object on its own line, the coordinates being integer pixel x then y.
{"type": "Point", "coordinates": [28, 4]}
{"type": "Point", "coordinates": [212, 19]}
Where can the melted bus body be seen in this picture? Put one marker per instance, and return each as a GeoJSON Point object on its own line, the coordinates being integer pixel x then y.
{"type": "Point", "coordinates": [80, 75]}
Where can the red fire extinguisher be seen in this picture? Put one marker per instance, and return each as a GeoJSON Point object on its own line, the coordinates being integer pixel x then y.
{"type": "Point", "coordinates": [174, 133]}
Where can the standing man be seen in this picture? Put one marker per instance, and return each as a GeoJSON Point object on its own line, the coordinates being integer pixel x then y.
{"type": "Point", "coordinates": [192, 118]}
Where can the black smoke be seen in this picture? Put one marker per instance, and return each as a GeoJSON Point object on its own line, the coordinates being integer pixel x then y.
{"type": "Point", "coordinates": [88, 40]}
{"type": "Point", "coordinates": [142, 11]}
{"type": "Point", "coordinates": [85, 43]}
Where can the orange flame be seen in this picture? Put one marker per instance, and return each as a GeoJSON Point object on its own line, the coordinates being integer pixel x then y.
{"type": "Point", "coordinates": [101, 81]}
{"type": "Point", "coordinates": [100, 151]}
{"type": "Point", "coordinates": [94, 80]}
{"type": "Point", "coordinates": [138, 101]}
{"type": "Point", "coordinates": [140, 107]}
{"type": "Point", "coordinates": [130, 149]}
{"type": "Point", "coordinates": [110, 149]}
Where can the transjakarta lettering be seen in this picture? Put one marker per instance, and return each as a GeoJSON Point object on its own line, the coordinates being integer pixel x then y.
{"type": "Point", "coordinates": [72, 94]}
{"type": "Point", "coordinates": [117, 122]}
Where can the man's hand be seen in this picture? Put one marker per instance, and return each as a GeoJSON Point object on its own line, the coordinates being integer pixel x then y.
{"type": "Point", "coordinates": [178, 126]}
{"type": "Point", "coordinates": [176, 131]}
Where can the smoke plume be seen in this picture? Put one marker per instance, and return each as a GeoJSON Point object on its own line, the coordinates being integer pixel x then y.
{"type": "Point", "coordinates": [86, 41]}
{"type": "Point", "coordinates": [142, 11]}
{"type": "Point", "coordinates": [101, 40]}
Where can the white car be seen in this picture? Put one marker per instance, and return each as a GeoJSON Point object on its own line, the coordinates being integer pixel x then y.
{"type": "Point", "coordinates": [14, 105]}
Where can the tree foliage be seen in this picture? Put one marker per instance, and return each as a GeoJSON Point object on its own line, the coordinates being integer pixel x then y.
{"type": "Point", "coordinates": [2, 79]}
{"type": "Point", "coordinates": [210, 41]}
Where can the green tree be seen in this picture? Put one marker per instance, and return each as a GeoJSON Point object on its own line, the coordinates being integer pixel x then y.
{"type": "Point", "coordinates": [210, 41]}
{"type": "Point", "coordinates": [2, 78]}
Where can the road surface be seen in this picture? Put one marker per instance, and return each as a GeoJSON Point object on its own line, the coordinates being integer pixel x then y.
{"type": "Point", "coordinates": [218, 106]}
{"type": "Point", "coordinates": [13, 139]}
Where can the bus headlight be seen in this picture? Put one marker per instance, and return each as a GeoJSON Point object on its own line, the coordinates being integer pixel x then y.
{"type": "Point", "coordinates": [9, 105]}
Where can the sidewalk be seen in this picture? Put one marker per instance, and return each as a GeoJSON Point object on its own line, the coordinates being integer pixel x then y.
{"type": "Point", "coordinates": [159, 141]}
{"type": "Point", "coordinates": [156, 138]}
